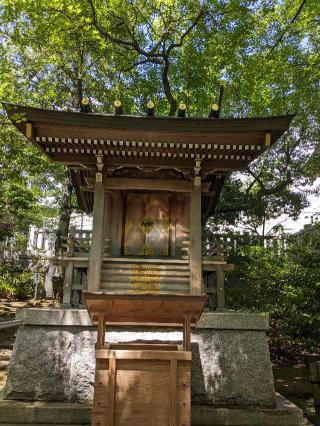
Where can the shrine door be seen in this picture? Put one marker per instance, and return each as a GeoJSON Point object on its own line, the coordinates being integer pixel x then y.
{"type": "Point", "coordinates": [146, 225]}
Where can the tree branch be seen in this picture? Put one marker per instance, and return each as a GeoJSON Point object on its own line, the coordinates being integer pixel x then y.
{"type": "Point", "coordinates": [136, 64]}
{"type": "Point", "coordinates": [167, 88]}
{"type": "Point", "coordinates": [256, 178]}
{"type": "Point", "coordinates": [152, 55]}
{"type": "Point", "coordinates": [279, 40]}
{"type": "Point", "coordinates": [187, 31]}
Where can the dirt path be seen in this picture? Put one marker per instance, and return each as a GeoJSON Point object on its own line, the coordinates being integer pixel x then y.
{"type": "Point", "coordinates": [292, 381]}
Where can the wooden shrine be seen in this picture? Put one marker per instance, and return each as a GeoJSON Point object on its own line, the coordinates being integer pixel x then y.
{"type": "Point", "coordinates": [151, 183]}
{"type": "Point", "coordinates": [143, 384]}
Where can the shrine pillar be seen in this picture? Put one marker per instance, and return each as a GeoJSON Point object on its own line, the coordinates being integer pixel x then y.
{"type": "Point", "coordinates": [97, 242]}
{"type": "Point", "coordinates": [195, 238]}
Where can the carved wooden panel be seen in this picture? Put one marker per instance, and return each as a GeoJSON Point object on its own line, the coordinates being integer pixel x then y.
{"type": "Point", "coordinates": [147, 225]}
{"type": "Point", "coordinates": [142, 387]}
{"type": "Point", "coordinates": [132, 275]}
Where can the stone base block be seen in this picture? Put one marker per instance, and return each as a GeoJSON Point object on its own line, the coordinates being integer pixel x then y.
{"type": "Point", "coordinates": [285, 413]}
{"type": "Point", "coordinates": [53, 357]}
{"type": "Point", "coordinates": [16, 413]}
{"type": "Point", "coordinates": [44, 413]}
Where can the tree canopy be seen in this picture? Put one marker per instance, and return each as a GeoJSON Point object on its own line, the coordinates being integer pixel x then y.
{"type": "Point", "coordinates": [265, 53]}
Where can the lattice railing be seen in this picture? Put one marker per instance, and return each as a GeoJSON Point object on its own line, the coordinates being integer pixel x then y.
{"type": "Point", "coordinates": [79, 244]}
{"type": "Point", "coordinates": [222, 246]}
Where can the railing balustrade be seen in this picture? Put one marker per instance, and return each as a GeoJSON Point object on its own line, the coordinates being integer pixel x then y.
{"type": "Point", "coordinates": [79, 243]}
{"type": "Point", "coordinates": [224, 246]}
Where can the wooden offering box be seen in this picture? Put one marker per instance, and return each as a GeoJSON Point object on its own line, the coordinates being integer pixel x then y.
{"type": "Point", "coordinates": [143, 384]}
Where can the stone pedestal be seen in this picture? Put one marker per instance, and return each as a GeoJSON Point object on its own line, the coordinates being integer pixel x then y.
{"type": "Point", "coordinates": [53, 358]}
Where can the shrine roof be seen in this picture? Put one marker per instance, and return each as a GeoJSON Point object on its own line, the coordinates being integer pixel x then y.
{"type": "Point", "coordinates": [75, 139]}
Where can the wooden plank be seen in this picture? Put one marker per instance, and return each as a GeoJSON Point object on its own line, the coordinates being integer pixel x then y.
{"type": "Point", "coordinates": [211, 290]}
{"type": "Point", "coordinates": [127, 270]}
{"type": "Point", "coordinates": [195, 240]}
{"type": "Point", "coordinates": [220, 289]}
{"type": "Point", "coordinates": [212, 265]}
{"type": "Point", "coordinates": [67, 283]}
{"type": "Point", "coordinates": [144, 308]}
{"type": "Point", "coordinates": [120, 223]}
{"type": "Point", "coordinates": [96, 250]}
{"type": "Point", "coordinates": [138, 391]}
{"type": "Point", "coordinates": [172, 225]}
{"type": "Point", "coordinates": [145, 283]}
{"type": "Point", "coordinates": [184, 373]}
{"type": "Point", "coordinates": [144, 392]}
{"type": "Point", "coordinates": [173, 393]}
{"type": "Point", "coordinates": [268, 139]}
{"type": "Point", "coordinates": [147, 184]}
{"type": "Point", "coordinates": [224, 267]}
{"type": "Point", "coordinates": [107, 228]}
{"type": "Point", "coordinates": [213, 262]}
{"type": "Point", "coordinates": [29, 130]}
{"type": "Point", "coordinates": [145, 324]}
{"type": "Point", "coordinates": [145, 260]}
{"type": "Point", "coordinates": [221, 137]}
{"type": "Point", "coordinates": [100, 399]}
{"type": "Point", "coordinates": [124, 184]}
{"type": "Point", "coordinates": [97, 418]}
{"type": "Point", "coordinates": [187, 333]}
{"type": "Point", "coordinates": [143, 397]}
{"type": "Point", "coordinates": [72, 120]}
{"type": "Point", "coordinates": [154, 278]}
{"type": "Point", "coordinates": [143, 346]}
{"type": "Point", "coordinates": [101, 332]}
{"type": "Point", "coordinates": [144, 354]}
{"type": "Point", "coordinates": [142, 288]}
{"type": "Point", "coordinates": [111, 391]}
{"type": "Point", "coordinates": [215, 165]}
{"type": "Point", "coordinates": [116, 225]}
{"type": "Point", "coordinates": [182, 228]}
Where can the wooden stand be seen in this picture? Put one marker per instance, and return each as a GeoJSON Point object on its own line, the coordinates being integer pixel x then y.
{"type": "Point", "coordinates": [143, 384]}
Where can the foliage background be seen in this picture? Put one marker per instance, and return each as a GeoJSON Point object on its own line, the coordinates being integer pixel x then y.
{"type": "Point", "coordinates": [264, 52]}
{"type": "Point", "coordinates": [284, 285]}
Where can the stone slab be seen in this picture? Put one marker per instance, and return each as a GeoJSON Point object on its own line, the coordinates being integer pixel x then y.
{"type": "Point", "coordinates": [233, 321]}
{"type": "Point", "coordinates": [55, 316]}
{"type": "Point", "coordinates": [284, 414]}
{"type": "Point", "coordinates": [80, 317]}
{"type": "Point", "coordinates": [17, 412]}
{"type": "Point", "coordinates": [13, 413]}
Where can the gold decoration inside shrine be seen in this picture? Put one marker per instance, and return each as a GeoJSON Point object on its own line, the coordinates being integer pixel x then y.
{"type": "Point", "coordinates": [147, 225]}
{"type": "Point", "coordinates": [145, 278]}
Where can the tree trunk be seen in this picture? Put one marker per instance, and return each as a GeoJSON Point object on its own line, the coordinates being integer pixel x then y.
{"type": "Point", "coordinates": [167, 88]}
{"type": "Point", "coordinates": [79, 90]}
{"type": "Point", "coordinates": [62, 234]}
{"type": "Point", "coordinates": [64, 215]}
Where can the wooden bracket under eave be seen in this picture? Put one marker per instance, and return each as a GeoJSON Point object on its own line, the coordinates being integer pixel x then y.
{"type": "Point", "coordinates": [268, 139]}
{"type": "Point", "coordinates": [99, 173]}
{"type": "Point", "coordinates": [29, 130]}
